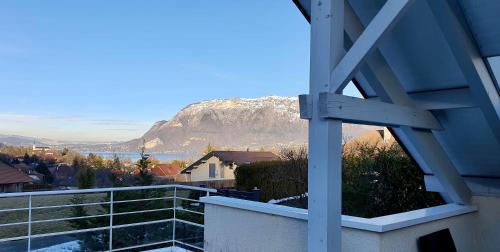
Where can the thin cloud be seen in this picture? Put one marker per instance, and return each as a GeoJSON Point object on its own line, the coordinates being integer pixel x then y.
{"type": "Point", "coordinates": [115, 122]}
{"type": "Point", "coordinates": [18, 117]}
{"type": "Point", "coordinates": [8, 116]}
{"type": "Point", "coordinates": [123, 129]}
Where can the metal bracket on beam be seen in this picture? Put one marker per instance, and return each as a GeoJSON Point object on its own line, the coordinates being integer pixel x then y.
{"type": "Point", "coordinates": [362, 111]}
{"type": "Point", "coordinates": [305, 106]}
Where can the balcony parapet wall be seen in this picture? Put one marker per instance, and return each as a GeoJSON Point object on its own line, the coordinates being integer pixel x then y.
{"type": "Point", "coordinates": [240, 225]}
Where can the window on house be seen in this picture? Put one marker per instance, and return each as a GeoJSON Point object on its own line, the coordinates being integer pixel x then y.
{"type": "Point", "coordinates": [211, 170]}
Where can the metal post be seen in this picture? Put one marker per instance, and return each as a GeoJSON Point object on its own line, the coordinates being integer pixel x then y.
{"type": "Point", "coordinates": [29, 223]}
{"type": "Point", "coordinates": [175, 206]}
{"type": "Point", "coordinates": [111, 222]}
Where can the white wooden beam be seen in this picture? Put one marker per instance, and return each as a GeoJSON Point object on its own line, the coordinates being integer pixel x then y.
{"type": "Point", "coordinates": [441, 99]}
{"type": "Point", "coordinates": [388, 15]}
{"type": "Point", "coordinates": [435, 157]}
{"type": "Point", "coordinates": [361, 111]}
{"type": "Point", "coordinates": [305, 106]}
{"type": "Point", "coordinates": [325, 136]}
{"type": "Point", "coordinates": [422, 145]}
{"type": "Point", "coordinates": [463, 47]}
{"type": "Point", "coordinates": [493, 64]}
{"type": "Point", "coordinates": [479, 186]}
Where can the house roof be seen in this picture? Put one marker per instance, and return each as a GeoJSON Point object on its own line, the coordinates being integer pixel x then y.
{"type": "Point", "coordinates": [373, 137]}
{"type": "Point", "coordinates": [165, 170]}
{"type": "Point", "coordinates": [237, 157]}
{"type": "Point", "coordinates": [9, 175]}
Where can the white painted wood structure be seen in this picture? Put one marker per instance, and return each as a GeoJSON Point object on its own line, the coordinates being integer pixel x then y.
{"type": "Point", "coordinates": [429, 70]}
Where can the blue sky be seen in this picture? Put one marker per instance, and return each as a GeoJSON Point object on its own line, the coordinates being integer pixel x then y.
{"type": "Point", "coordinates": [107, 70]}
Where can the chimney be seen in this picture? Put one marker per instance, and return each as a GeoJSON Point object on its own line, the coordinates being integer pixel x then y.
{"type": "Point", "coordinates": [387, 135]}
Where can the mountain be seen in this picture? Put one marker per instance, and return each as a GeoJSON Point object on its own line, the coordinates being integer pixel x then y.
{"type": "Point", "coordinates": [270, 122]}
{"type": "Point", "coordinates": [27, 141]}
{"type": "Point", "coordinates": [16, 140]}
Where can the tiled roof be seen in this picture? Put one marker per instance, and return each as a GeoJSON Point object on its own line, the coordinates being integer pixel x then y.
{"type": "Point", "coordinates": [237, 157]}
{"type": "Point", "coordinates": [9, 175]}
{"type": "Point", "coordinates": [244, 157]}
{"type": "Point", "coordinates": [163, 170]}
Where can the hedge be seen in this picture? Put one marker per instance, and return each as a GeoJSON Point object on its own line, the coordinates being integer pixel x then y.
{"type": "Point", "coordinates": [275, 179]}
{"type": "Point", "coordinates": [377, 180]}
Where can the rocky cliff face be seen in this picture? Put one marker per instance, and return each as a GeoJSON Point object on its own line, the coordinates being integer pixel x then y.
{"type": "Point", "coordinates": [269, 122]}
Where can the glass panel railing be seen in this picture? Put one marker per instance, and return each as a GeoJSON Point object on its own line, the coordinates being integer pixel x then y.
{"type": "Point", "coordinates": [189, 236]}
{"type": "Point", "coordinates": [136, 218]}
{"type": "Point", "coordinates": [143, 235]}
{"type": "Point", "coordinates": [84, 241]}
{"type": "Point", "coordinates": [14, 245]}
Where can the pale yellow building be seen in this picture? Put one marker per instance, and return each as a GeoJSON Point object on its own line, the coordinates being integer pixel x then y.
{"type": "Point", "coordinates": [220, 165]}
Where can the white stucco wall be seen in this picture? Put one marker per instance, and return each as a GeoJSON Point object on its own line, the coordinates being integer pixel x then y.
{"type": "Point", "coordinates": [201, 173]}
{"type": "Point", "coordinates": [237, 230]}
{"type": "Point", "coordinates": [405, 239]}
{"type": "Point", "coordinates": [478, 231]}
{"type": "Point", "coordinates": [251, 227]}
{"type": "Point", "coordinates": [488, 223]}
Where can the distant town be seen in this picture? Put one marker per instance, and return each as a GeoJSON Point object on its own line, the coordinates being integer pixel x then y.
{"type": "Point", "coordinates": [44, 168]}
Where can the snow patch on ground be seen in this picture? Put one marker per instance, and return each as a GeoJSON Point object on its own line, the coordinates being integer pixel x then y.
{"type": "Point", "coordinates": [63, 247]}
{"type": "Point", "coordinates": [169, 249]}
{"type": "Point", "coordinates": [277, 201]}
{"type": "Point", "coordinates": [75, 246]}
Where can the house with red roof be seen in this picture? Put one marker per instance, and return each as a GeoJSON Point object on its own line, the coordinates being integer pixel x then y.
{"type": "Point", "coordinates": [165, 171]}
{"type": "Point", "coordinates": [11, 179]}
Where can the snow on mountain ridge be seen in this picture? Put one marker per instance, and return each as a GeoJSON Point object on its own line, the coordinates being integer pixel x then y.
{"type": "Point", "coordinates": [270, 122]}
{"type": "Point", "coordinates": [241, 102]}
{"type": "Point", "coordinates": [237, 123]}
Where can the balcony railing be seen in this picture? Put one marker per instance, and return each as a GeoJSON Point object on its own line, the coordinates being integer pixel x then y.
{"type": "Point", "coordinates": [107, 219]}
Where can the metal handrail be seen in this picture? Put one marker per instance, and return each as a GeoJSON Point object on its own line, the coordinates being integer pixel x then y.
{"type": "Point", "coordinates": [72, 205]}
{"type": "Point", "coordinates": [191, 223]}
{"type": "Point", "coordinates": [175, 199]}
{"type": "Point", "coordinates": [138, 200]}
{"type": "Point", "coordinates": [140, 246]}
{"type": "Point", "coordinates": [187, 199]}
{"type": "Point", "coordinates": [100, 190]}
{"type": "Point", "coordinates": [144, 211]}
{"type": "Point", "coordinates": [14, 209]}
{"type": "Point", "coordinates": [189, 211]}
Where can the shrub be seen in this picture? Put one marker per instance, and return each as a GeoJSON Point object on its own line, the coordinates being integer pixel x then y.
{"type": "Point", "coordinates": [380, 180]}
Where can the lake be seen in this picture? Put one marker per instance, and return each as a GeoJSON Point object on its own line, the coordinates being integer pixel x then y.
{"type": "Point", "coordinates": [134, 156]}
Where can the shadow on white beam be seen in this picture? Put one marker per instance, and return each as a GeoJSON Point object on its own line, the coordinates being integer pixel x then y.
{"type": "Point", "coordinates": [479, 186]}
{"type": "Point", "coordinates": [440, 99]}
{"type": "Point", "coordinates": [356, 110]}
